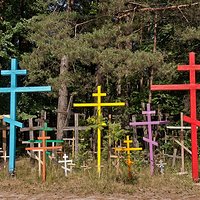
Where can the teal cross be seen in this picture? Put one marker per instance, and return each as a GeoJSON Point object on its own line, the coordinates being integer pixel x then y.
{"type": "Point", "coordinates": [13, 89]}
{"type": "Point", "coordinates": [46, 128]}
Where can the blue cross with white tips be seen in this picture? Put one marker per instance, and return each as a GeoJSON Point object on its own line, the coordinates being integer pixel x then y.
{"type": "Point", "coordinates": [13, 89]}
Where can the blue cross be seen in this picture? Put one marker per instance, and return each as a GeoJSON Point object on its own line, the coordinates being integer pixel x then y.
{"type": "Point", "coordinates": [13, 73]}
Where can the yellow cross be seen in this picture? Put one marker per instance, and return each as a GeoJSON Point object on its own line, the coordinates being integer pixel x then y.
{"type": "Point", "coordinates": [128, 149]}
{"type": "Point", "coordinates": [98, 105]}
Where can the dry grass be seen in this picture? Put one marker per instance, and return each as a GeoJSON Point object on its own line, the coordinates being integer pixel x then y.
{"type": "Point", "coordinates": [88, 182]}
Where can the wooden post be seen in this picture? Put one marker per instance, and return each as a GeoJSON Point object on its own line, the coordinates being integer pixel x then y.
{"type": "Point", "coordinates": [174, 157]}
{"type": "Point", "coordinates": [182, 148]}
{"type": "Point", "coordinates": [4, 129]}
{"type": "Point", "coordinates": [76, 128]}
{"type": "Point", "coordinates": [31, 128]}
{"type": "Point", "coordinates": [135, 141]}
{"type": "Point", "coordinates": [76, 134]}
{"type": "Point", "coordinates": [109, 138]}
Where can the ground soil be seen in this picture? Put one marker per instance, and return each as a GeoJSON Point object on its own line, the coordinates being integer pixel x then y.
{"type": "Point", "coordinates": [160, 193]}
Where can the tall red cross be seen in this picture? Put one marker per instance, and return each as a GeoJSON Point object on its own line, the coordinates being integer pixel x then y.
{"type": "Point", "coordinates": [192, 87]}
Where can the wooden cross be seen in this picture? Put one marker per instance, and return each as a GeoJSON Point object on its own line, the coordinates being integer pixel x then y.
{"type": "Point", "coordinates": [31, 128]}
{"type": "Point", "coordinates": [76, 128]}
{"type": "Point", "coordinates": [192, 87]}
{"type": "Point", "coordinates": [116, 163]}
{"type": "Point", "coordinates": [128, 149]}
{"type": "Point", "coordinates": [4, 129]}
{"type": "Point", "coordinates": [13, 90]}
{"type": "Point", "coordinates": [43, 118]}
{"type": "Point", "coordinates": [66, 162]}
{"type": "Point", "coordinates": [149, 123]}
{"type": "Point", "coordinates": [99, 104]}
{"type": "Point", "coordinates": [85, 166]}
{"type": "Point", "coordinates": [181, 143]}
{"type": "Point", "coordinates": [161, 165]}
{"type": "Point", "coordinates": [44, 148]}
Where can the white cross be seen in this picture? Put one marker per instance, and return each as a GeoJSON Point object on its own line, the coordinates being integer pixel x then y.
{"type": "Point", "coordinates": [66, 162]}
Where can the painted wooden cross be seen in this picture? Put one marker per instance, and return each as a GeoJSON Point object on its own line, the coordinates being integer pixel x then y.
{"type": "Point", "coordinates": [128, 149]}
{"type": "Point", "coordinates": [99, 104]}
{"type": "Point", "coordinates": [149, 123]}
{"type": "Point", "coordinates": [66, 163]}
{"type": "Point", "coordinates": [44, 148]}
{"type": "Point", "coordinates": [161, 165]}
{"type": "Point", "coordinates": [38, 158]}
{"type": "Point", "coordinates": [192, 87]}
{"type": "Point", "coordinates": [76, 128]}
{"type": "Point", "coordinates": [14, 72]}
{"type": "Point", "coordinates": [181, 143]}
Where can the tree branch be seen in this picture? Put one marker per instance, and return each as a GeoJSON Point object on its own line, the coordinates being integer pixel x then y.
{"type": "Point", "coordinates": [142, 8]}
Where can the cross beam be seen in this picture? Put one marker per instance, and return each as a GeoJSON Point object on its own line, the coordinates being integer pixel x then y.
{"type": "Point", "coordinates": [149, 123]}
{"type": "Point", "coordinates": [99, 105]}
{"type": "Point", "coordinates": [192, 87]}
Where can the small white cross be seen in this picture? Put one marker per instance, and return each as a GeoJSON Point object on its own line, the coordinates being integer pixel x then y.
{"type": "Point", "coordinates": [161, 165]}
{"type": "Point", "coordinates": [66, 162]}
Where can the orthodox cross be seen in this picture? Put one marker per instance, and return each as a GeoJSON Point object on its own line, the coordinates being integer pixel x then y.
{"type": "Point", "coordinates": [44, 148]}
{"type": "Point", "coordinates": [76, 130]}
{"type": "Point", "coordinates": [149, 123]}
{"type": "Point", "coordinates": [192, 87]}
{"type": "Point", "coordinates": [181, 143]}
{"type": "Point", "coordinates": [66, 162]}
{"type": "Point", "coordinates": [161, 165]}
{"type": "Point", "coordinates": [38, 158]}
{"type": "Point", "coordinates": [128, 149]}
{"type": "Point", "coordinates": [98, 105]}
{"type": "Point", "coordinates": [13, 73]}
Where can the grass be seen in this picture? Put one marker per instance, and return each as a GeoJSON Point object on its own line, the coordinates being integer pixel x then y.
{"type": "Point", "coordinates": [87, 182]}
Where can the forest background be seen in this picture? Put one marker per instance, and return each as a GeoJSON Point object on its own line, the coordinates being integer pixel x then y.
{"type": "Point", "coordinates": [76, 45]}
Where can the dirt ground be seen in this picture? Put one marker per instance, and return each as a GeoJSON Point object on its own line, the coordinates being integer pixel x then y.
{"type": "Point", "coordinates": [162, 193]}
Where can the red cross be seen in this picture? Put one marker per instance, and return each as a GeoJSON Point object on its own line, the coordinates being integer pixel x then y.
{"type": "Point", "coordinates": [192, 87]}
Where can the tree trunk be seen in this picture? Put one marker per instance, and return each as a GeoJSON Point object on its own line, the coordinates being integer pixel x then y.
{"type": "Point", "coordinates": [62, 99]}
{"type": "Point", "coordinates": [71, 4]}
{"type": "Point", "coordinates": [154, 51]}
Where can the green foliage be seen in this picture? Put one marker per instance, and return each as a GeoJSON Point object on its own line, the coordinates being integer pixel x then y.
{"type": "Point", "coordinates": [191, 33]}
{"type": "Point", "coordinates": [25, 116]}
{"type": "Point", "coordinates": [117, 133]}
{"type": "Point", "coordinates": [96, 123]}
{"type": "Point", "coordinates": [105, 44]}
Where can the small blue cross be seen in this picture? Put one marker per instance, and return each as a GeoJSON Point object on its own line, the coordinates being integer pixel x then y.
{"type": "Point", "coordinates": [13, 73]}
